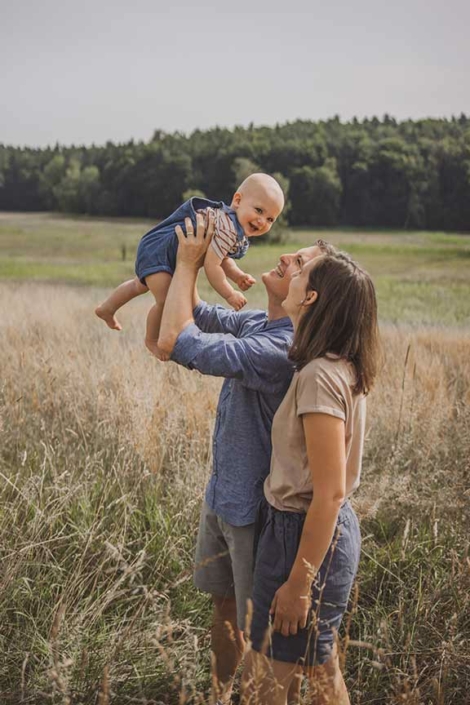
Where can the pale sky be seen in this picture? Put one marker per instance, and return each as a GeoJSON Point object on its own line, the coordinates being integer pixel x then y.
{"type": "Point", "coordinates": [88, 71]}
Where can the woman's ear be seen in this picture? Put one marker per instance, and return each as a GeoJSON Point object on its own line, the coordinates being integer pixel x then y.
{"type": "Point", "coordinates": [310, 298]}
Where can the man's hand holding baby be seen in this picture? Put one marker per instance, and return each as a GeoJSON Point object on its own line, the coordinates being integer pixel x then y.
{"type": "Point", "coordinates": [192, 248]}
{"type": "Point", "coordinates": [193, 244]}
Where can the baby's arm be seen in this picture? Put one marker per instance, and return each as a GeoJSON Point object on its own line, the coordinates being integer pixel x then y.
{"type": "Point", "coordinates": [243, 280]}
{"type": "Point", "coordinates": [218, 280]}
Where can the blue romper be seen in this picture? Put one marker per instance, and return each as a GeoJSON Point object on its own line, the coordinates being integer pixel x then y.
{"type": "Point", "coordinates": [157, 249]}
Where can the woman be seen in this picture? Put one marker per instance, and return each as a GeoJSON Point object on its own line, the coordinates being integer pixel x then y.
{"type": "Point", "coordinates": [309, 543]}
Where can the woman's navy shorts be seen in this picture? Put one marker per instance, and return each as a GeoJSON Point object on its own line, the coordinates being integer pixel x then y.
{"type": "Point", "coordinates": [276, 548]}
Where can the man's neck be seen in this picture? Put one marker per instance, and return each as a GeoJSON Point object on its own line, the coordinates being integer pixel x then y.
{"type": "Point", "coordinates": [275, 310]}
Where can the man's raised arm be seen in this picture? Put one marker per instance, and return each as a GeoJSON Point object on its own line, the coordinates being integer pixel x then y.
{"type": "Point", "coordinates": [178, 309]}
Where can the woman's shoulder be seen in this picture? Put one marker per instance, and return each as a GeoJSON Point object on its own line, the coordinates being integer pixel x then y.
{"type": "Point", "coordinates": [327, 384]}
{"type": "Point", "coordinates": [330, 366]}
{"type": "Point", "coordinates": [331, 372]}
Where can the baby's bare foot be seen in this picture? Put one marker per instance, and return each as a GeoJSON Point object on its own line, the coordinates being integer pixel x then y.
{"type": "Point", "coordinates": [108, 317]}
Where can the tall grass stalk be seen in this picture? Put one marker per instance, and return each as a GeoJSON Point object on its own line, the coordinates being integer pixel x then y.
{"type": "Point", "coordinates": [104, 457]}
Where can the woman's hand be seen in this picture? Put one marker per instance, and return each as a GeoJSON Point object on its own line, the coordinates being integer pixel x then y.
{"type": "Point", "coordinates": [290, 607]}
{"type": "Point", "coordinates": [192, 245]}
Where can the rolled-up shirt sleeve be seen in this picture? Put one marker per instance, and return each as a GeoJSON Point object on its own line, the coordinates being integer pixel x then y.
{"type": "Point", "coordinates": [218, 319]}
{"type": "Point", "coordinates": [253, 360]}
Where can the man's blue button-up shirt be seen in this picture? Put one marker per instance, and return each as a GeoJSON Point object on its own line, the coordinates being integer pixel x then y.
{"type": "Point", "coordinates": [251, 353]}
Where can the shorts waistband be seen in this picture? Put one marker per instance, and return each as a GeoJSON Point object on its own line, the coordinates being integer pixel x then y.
{"type": "Point", "coordinates": [267, 509]}
{"type": "Point", "coordinates": [267, 513]}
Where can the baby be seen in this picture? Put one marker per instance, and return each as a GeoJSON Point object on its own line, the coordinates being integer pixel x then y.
{"type": "Point", "coordinates": [254, 208]}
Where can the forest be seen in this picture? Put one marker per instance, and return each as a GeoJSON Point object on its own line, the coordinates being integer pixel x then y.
{"type": "Point", "coordinates": [377, 173]}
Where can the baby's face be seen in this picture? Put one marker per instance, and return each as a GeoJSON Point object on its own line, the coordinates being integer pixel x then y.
{"type": "Point", "coordinates": [257, 210]}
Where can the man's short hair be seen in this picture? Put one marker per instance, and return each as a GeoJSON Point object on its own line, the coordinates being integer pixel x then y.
{"type": "Point", "coordinates": [326, 248]}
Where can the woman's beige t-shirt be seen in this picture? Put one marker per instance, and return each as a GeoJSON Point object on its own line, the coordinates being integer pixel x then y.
{"type": "Point", "coordinates": [325, 386]}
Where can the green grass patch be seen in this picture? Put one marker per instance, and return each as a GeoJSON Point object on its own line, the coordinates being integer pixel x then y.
{"type": "Point", "coordinates": [420, 277]}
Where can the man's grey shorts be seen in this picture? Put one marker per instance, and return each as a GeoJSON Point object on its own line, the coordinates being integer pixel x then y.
{"type": "Point", "coordinates": [224, 560]}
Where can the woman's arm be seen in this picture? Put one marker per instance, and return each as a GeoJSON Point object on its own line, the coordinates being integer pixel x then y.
{"type": "Point", "coordinates": [325, 443]}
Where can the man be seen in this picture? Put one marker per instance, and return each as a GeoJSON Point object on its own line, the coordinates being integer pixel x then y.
{"type": "Point", "coordinates": [250, 350]}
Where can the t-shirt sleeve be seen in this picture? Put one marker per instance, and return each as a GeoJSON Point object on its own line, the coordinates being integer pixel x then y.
{"type": "Point", "coordinates": [319, 391]}
{"type": "Point", "coordinates": [213, 318]}
{"type": "Point", "coordinates": [225, 235]}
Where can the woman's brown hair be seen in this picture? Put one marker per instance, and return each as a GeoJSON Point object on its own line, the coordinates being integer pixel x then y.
{"type": "Point", "coordinates": [342, 320]}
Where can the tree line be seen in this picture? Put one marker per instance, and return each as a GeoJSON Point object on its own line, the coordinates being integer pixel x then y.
{"type": "Point", "coordinates": [369, 173]}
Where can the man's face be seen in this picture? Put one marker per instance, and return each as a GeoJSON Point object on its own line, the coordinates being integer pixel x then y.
{"type": "Point", "coordinates": [278, 279]}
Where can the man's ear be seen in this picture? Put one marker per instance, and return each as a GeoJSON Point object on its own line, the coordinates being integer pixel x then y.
{"type": "Point", "coordinates": [310, 298]}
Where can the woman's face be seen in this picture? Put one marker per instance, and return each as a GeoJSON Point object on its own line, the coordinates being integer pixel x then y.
{"type": "Point", "coordinates": [298, 299]}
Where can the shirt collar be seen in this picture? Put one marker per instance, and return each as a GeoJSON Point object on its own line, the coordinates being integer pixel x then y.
{"type": "Point", "coordinates": [284, 322]}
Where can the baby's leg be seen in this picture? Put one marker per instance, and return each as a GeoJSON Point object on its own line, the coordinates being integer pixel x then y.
{"type": "Point", "coordinates": [158, 284]}
{"type": "Point", "coordinates": [121, 295]}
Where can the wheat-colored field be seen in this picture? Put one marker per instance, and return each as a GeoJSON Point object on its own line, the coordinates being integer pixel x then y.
{"type": "Point", "coordinates": [105, 453]}
{"type": "Point", "coordinates": [104, 457]}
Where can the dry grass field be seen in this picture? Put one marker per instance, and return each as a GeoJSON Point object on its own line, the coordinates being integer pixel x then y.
{"type": "Point", "coordinates": [103, 461]}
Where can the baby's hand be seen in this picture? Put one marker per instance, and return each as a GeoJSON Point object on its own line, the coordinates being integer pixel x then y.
{"type": "Point", "coordinates": [236, 300]}
{"type": "Point", "coordinates": [246, 281]}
